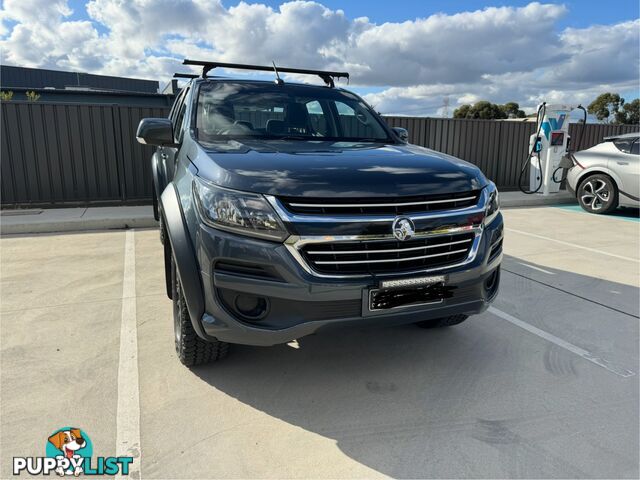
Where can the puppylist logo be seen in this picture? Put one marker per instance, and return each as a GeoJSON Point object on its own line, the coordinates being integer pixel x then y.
{"type": "Point", "coordinates": [69, 451]}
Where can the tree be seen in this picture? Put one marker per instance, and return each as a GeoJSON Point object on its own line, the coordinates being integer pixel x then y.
{"type": "Point", "coordinates": [482, 109]}
{"type": "Point", "coordinates": [489, 111]}
{"type": "Point", "coordinates": [512, 110]}
{"type": "Point", "coordinates": [462, 111]}
{"type": "Point", "coordinates": [606, 106]}
{"type": "Point", "coordinates": [630, 114]}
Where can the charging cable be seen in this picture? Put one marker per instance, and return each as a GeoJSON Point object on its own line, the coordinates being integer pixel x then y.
{"type": "Point", "coordinates": [571, 150]}
{"type": "Point", "coordinates": [539, 118]}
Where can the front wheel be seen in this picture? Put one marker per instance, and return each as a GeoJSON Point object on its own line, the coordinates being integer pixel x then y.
{"type": "Point", "coordinates": [191, 349]}
{"type": "Point", "coordinates": [598, 194]}
{"type": "Point", "coordinates": [443, 322]}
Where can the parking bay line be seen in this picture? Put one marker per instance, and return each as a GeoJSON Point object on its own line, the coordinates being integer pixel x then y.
{"type": "Point", "coordinates": [562, 242]}
{"type": "Point", "coordinates": [537, 268]}
{"type": "Point", "coordinates": [581, 352]}
{"type": "Point", "coordinates": [128, 412]}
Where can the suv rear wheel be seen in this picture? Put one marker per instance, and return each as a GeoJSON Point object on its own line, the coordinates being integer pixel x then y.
{"type": "Point", "coordinates": [442, 322]}
{"type": "Point", "coordinates": [598, 194]}
{"type": "Point", "coordinates": [191, 349]}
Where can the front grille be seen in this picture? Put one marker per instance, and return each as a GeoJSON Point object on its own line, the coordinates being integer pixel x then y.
{"type": "Point", "coordinates": [380, 206]}
{"type": "Point", "coordinates": [387, 256]}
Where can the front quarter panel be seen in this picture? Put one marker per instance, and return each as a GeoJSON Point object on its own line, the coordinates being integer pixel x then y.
{"type": "Point", "coordinates": [596, 162]}
{"type": "Point", "coordinates": [184, 255]}
{"type": "Point", "coordinates": [607, 171]}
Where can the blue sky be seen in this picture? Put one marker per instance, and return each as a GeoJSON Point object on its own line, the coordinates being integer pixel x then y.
{"type": "Point", "coordinates": [409, 57]}
{"type": "Point", "coordinates": [583, 13]}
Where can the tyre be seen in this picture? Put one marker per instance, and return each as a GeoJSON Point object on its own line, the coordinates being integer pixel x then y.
{"type": "Point", "coordinates": [442, 322]}
{"type": "Point", "coordinates": [598, 194]}
{"type": "Point", "coordinates": [191, 349]}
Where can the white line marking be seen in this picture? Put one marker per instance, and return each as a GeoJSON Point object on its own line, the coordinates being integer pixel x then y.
{"type": "Point", "coordinates": [574, 245]}
{"type": "Point", "coordinates": [601, 362]}
{"type": "Point", "coordinates": [128, 413]}
{"type": "Point", "coordinates": [537, 268]}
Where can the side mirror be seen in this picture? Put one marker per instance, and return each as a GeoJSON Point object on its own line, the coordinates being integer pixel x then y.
{"type": "Point", "coordinates": [402, 133]}
{"type": "Point", "coordinates": [155, 131]}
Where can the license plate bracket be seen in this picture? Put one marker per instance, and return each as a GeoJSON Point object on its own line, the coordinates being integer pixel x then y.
{"type": "Point", "coordinates": [407, 293]}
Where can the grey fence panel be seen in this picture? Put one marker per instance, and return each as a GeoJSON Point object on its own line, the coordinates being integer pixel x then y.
{"type": "Point", "coordinates": [497, 147]}
{"type": "Point", "coordinates": [136, 165]}
{"type": "Point", "coordinates": [74, 154]}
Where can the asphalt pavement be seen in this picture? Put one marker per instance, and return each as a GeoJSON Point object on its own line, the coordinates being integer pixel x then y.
{"type": "Point", "coordinates": [543, 385]}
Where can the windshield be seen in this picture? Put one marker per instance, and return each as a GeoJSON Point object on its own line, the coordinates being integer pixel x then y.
{"type": "Point", "coordinates": [228, 110]}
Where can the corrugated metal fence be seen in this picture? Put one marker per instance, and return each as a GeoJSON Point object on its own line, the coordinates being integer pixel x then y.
{"type": "Point", "coordinates": [72, 154]}
{"type": "Point", "coordinates": [497, 147]}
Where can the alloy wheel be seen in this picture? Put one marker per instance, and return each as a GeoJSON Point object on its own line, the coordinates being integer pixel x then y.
{"type": "Point", "coordinates": [596, 194]}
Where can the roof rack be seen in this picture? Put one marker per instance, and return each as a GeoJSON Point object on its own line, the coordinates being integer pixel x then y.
{"type": "Point", "coordinates": [326, 76]}
{"type": "Point", "coordinates": [185, 75]}
{"type": "Point", "coordinates": [191, 76]}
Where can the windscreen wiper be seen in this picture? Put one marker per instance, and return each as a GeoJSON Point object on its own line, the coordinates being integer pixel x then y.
{"type": "Point", "coordinates": [371, 140]}
{"type": "Point", "coordinates": [289, 137]}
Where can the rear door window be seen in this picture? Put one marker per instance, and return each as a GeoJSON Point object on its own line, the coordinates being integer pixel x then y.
{"type": "Point", "coordinates": [624, 144]}
{"type": "Point", "coordinates": [180, 117]}
{"type": "Point", "coordinates": [318, 119]}
{"type": "Point", "coordinates": [175, 107]}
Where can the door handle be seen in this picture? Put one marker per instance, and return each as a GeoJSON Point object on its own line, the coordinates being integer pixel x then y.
{"type": "Point", "coordinates": [622, 163]}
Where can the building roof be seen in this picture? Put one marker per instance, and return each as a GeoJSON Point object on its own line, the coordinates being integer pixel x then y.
{"type": "Point", "coordinates": [22, 77]}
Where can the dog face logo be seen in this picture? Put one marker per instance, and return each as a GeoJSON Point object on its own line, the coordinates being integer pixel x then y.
{"type": "Point", "coordinates": [72, 444]}
{"type": "Point", "coordinates": [403, 228]}
{"type": "Point", "coordinates": [68, 441]}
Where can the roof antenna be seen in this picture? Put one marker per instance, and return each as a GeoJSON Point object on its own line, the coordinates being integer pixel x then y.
{"type": "Point", "coordinates": [279, 81]}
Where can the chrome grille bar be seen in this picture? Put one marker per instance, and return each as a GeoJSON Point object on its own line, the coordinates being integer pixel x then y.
{"type": "Point", "coordinates": [370, 205]}
{"type": "Point", "coordinates": [353, 262]}
{"type": "Point", "coordinates": [376, 214]}
{"type": "Point", "coordinates": [389, 250]}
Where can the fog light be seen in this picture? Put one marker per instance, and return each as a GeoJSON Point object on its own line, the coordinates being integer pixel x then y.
{"type": "Point", "coordinates": [251, 306]}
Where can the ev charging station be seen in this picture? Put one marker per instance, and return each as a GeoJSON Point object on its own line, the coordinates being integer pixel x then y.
{"type": "Point", "coordinates": [548, 148]}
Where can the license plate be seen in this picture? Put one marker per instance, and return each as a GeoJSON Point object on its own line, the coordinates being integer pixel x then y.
{"type": "Point", "coordinates": [409, 292]}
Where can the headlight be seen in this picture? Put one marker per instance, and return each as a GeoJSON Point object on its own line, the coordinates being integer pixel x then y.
{"type": "Point", "coordinates": [492, 207]}
{"type": "Point", "coordinates": [239, 212]}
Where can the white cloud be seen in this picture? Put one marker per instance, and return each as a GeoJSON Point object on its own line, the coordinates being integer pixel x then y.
{"type": "Point", "coordinates": [602, 53]}
{"type": "Point", "coordinates": [500, 54]}
{"type": "Point", "coordinates": [453, 48]}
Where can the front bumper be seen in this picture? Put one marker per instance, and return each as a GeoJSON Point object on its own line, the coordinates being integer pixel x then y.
{"type": "Point", "coordinates": [300, 303]}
